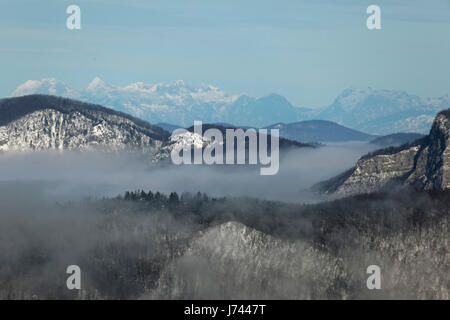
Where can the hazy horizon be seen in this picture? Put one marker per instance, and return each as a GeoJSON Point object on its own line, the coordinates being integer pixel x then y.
{"type": "Point", "coordinates": [306, 51]}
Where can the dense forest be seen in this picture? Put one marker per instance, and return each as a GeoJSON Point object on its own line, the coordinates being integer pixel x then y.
{"type": "Point", "coordinates": [145, 244]}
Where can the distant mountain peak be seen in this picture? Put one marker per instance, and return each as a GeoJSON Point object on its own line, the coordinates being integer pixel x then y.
{"type": "Point", "coordinates": [50, 86]}
{"type": "Point", "coordinates": [383, 111]}
{"type": "Point", "coordinates": [275, 97]}
{"type": "Point", "coordinates": [352, 97]}
{"type": "Point", "coordinates": [179, 83]}
{"type": "Point", "coordinates": [98, 84]}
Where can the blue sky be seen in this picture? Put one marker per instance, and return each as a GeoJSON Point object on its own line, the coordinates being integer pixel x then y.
{"type": "Point", "coordinates": [308, 51]}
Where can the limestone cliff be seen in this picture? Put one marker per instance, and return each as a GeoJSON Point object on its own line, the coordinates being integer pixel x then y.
{"type": "Point", "coordinates": [424, 163]}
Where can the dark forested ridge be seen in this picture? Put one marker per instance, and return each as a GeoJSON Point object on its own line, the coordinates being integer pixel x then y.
{"type": "Point", "coordinates": [397, 139]}
{"type": "Point", "coordinates": [186, 246]}
{"type": "Point", "coordinates": [391, 211]}
{"type": "Point", "coordinates": [12, 109]}
{"type": "Point", "coordinates": [284, 143]}
{"type": "Point", "coordinates": [319, 131]}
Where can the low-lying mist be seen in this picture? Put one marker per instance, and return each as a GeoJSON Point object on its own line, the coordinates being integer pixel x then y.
{"type": "Point", "coordinates": [248, 237]}
{"type": "Point", "coordinates": [193, 246]}
{"type": "Point", "coordinates": [73, 175]}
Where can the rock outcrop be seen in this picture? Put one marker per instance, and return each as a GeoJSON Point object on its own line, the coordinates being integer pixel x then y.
{"type": "Point", "coordinates": [424, 164]}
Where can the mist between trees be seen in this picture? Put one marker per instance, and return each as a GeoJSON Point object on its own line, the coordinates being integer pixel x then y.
{"type": "Point", "coordinates": [149, 245]}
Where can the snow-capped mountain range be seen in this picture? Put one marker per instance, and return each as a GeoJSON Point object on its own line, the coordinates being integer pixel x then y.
{"type": "Point", "coordinates": [384, 111]}
{"type": "Point", "coordinates": [368, 110]}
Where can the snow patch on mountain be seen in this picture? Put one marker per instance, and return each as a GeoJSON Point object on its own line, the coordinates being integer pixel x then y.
{"type": "Point", "coordinates": [182, 141]}
{"type": "Point", "coordinates": [49, 129]}
{"type": "Point", "coordinates": [383, 111]}
{"type": "Point", "coordinates": [46, 86]}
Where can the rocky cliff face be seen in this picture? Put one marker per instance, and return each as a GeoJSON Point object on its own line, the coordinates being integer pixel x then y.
{"type": "Point", "coordinates": [425, 164]}
{"type": "Point", "coordinates": [40, 123]}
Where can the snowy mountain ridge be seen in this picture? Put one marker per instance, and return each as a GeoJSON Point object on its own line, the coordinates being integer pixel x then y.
{"type": "Point", "coordinates": [368, 110]}
{"type": "Point", "coordinates": [41, 123]}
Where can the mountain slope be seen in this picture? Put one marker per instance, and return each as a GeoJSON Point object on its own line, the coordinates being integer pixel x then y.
{"type": "Point", "coordinates": [190, 138]}
{"type": "Point", "coordinates": [40, 122]}
{"type": "Point", "coordinates": [319, 131]}
{"type": "Point", "coordinates": [283, 142]}
{"type": "Point", "coordinates": [176, 103]}
{"type": "Point", "coordinates": [229, 252]}
{"type": "Point", "coordinates": [326, 259]}
{"type": "Point", "coordinates": [167, 126]}
{"type": "Point", "coordinates": [384, 111]}
{"type": "Point", "coordinates": [368, 110]}
{"type": "Point", "coordinates": [424, 163]}
{"type": "Point", "coordinates": [396, 139]}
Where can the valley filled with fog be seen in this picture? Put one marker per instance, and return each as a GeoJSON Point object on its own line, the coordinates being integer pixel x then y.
{"type": "Point", "coordinates": [212, 232]}
{"type": "Point", "coordinates": [74, 175]}
{"type": "Point", "coordinates": [342, 108]}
